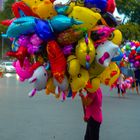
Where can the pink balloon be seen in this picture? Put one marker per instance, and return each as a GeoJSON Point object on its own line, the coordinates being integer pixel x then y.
{"type": "Point", "coordinates": [23, 40]}
{"type": "Point", "coordinates": [35, 40]}
{"type": "Point", "coordinates": [137, 64]}
{"type": "Point", "coordinates": [23, 72]}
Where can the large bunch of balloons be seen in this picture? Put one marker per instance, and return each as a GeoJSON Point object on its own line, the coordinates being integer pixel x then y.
{"type": "Point", "coordinates": [131, 55]}
{"type": "Point", "coordinates": [64, 46]}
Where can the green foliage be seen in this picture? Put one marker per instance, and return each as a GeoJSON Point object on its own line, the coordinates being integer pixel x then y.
{"type": "Point", "coordinates": [7, 12]}
{"type": "Point", "coordinates": [130, 8]}
{"type": "Point", "coordinates": [130, 31]}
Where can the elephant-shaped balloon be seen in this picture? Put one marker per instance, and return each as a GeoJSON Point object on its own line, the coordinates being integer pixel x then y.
{"type": "Point", "coordinates": [39, 79]}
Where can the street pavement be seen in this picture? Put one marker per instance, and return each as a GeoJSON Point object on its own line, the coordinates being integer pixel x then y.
{"type": "Point", "coordinates": [46, 118]}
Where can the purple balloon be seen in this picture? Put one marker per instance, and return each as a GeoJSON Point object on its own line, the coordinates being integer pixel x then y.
{"type": "Point", "coordinates": [32, 48]}
{"type": "Point", "coordinates": [23, 40]}
{"type": "Point", "coordinates": [35, 40]}
{"type": "Point", "coordinates": [67, 50]}
{"type": "Point", "coordinates": [137, 64]}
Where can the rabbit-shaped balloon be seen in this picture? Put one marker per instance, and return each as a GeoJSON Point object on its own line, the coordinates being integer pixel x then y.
{"type": "Point", "coordinates": [39, 79]}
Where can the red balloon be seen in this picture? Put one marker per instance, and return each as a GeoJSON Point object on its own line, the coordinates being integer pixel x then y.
{"type": "Point", "coordinates": [111, 5]}
{"type": "Point", "coordinates": [7, 22]}
{"type": "Point", "coordinates": [20, 54]}
{"type": "Point", "coordinates": [17, 7]}
{"type": "Point", "coordinates": [57, 60]}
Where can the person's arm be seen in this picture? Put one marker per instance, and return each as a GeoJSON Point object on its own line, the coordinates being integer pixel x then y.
{"type": "Point", "coordinates": [85, 100]}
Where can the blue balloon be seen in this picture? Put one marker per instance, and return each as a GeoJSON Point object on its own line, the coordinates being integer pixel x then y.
{"type": "Point", "coordinates": [138, 49]}
{"type": "Point", "coordinates": [61, 9]}
{"type": "Point", "coordinates": [119, 57]}
{"type": "Point", "coordinates": [44, 30]}
{"type": "Point", "coordinates": [100, 4]}
{"type": "Point", "coordinates": [69, 94]}
{"type": "Point", "coordinates": [21, 26]}
{"type": "Point", "coordinates": [60, 23]}
{"type": "Point", "coordinates": [15, 45]}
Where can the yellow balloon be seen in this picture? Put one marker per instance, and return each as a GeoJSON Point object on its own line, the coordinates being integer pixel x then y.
{"type": "Point", "coordinates": [45, 9]}
{"type": "Point", "coordinates": [95, 85]}
{"type": "Point", "coordinates": [83, 50]}
{"type": "Point", "coordinates": [116, 37]}
{"type": "Point", "coordinates": [95, 70]}
{"type": "Point", "coordinates": [73, 65]}
{"type": "Point", "coordinates": [86, 15]}
{"type": "Point", "coordinates": [79, 81]}
{"type": "Point", "coordinates": [110, 74]}
{"type": "Point", "coordinates": [50, 88]}
{"type": "Point", "coordinates": [31, 3]}
{"type": "Point", "coordinates": [72, 4]}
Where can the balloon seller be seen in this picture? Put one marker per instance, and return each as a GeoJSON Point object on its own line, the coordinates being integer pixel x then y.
{"type": "Point", "coordinates": [92, 105]}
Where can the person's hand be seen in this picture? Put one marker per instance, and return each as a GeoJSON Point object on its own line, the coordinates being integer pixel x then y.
{"type": "Point", "coordinates": [81, 94]}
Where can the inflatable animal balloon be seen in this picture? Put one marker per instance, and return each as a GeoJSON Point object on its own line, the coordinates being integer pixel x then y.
{"type": "Point", "coordinates": [60, 23]}
{"type": "Point", "coordinates": [50, 87]}
{"type": "Point", "coordinates": [116, 37]}
{"type": "Point", "coordinates": [57, 60]}
{"type": "Point", "coordinates": [20, 54]}
{"type": "Point", "coordinates": [95, 70]}
{"type": "Point", "coordinates": [44, 30]}
{"type": "Point", "coordinates": [87, 16]}
{"type": "Point", "coordinates": [39, 79]}
{"type": "Point", "coordinates": [44, 9]}
{"type": "Point", "coordinates": [61, 2]}
{"type": "Point", "coordinates": [110, 75]}
{"type": "Point", "coordinates": [105, 52]}
{"type": "Point", "coordinates": [32, 3]}
{"type": "Point", "coordinates": [23, 72]}
{"type": "Point", "coordinates": [79, 81]}
{"type": "Point", "coordinates": [7, 22]}
{"type": "Point", "coordinates": [100, 4]}
{"type": "Point", "coordinates": [95, 83]}
{"type": "Point", "coordinates": [85, 52]}
{"type": "Point", "coordinates": [111, 5]}
{"type": "Point", "coordinates": [63, 86]}
{"type": "Point", "coordinates": [20, 9]}
{"type": "Point", "coordinates": [23, 40]}
{"type": "Point", "coordinates": [21, 26]}
{"type": "Point", "coordinates": [70, 36]}
{"type": "Point", "coordinates": [34, 44]}
{"type": "Point", "coordinates": [100, 34]}
{"type": "Point", "coordinates": [73, 65]}
{"type": "Point", "coordinates": [109, 20]}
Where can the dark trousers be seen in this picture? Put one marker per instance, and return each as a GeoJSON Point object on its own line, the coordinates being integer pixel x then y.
{"type": "Point", "coordinates": [123, 91]}
{"type": "Point", "coordinates": [93, 128]}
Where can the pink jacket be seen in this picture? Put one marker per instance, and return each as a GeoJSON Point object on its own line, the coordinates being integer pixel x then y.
{"type": "Point", "coordinates": [95, 108]}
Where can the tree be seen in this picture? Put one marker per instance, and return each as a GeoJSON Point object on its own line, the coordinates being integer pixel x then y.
{"type": "Point", "coordinates": [5, 14]}
{"type": "Point", "coordinates": [130, 8]}
{"type": "Point", "coordinates": [130, 31]}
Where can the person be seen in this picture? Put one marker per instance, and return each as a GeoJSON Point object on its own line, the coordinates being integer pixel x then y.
{"type": "Point", "coordinates": [120, 84]}
{"type": "Point", "coordinates": [92, 105]}
{"type": "Point", "coordinates": [137, 80]}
